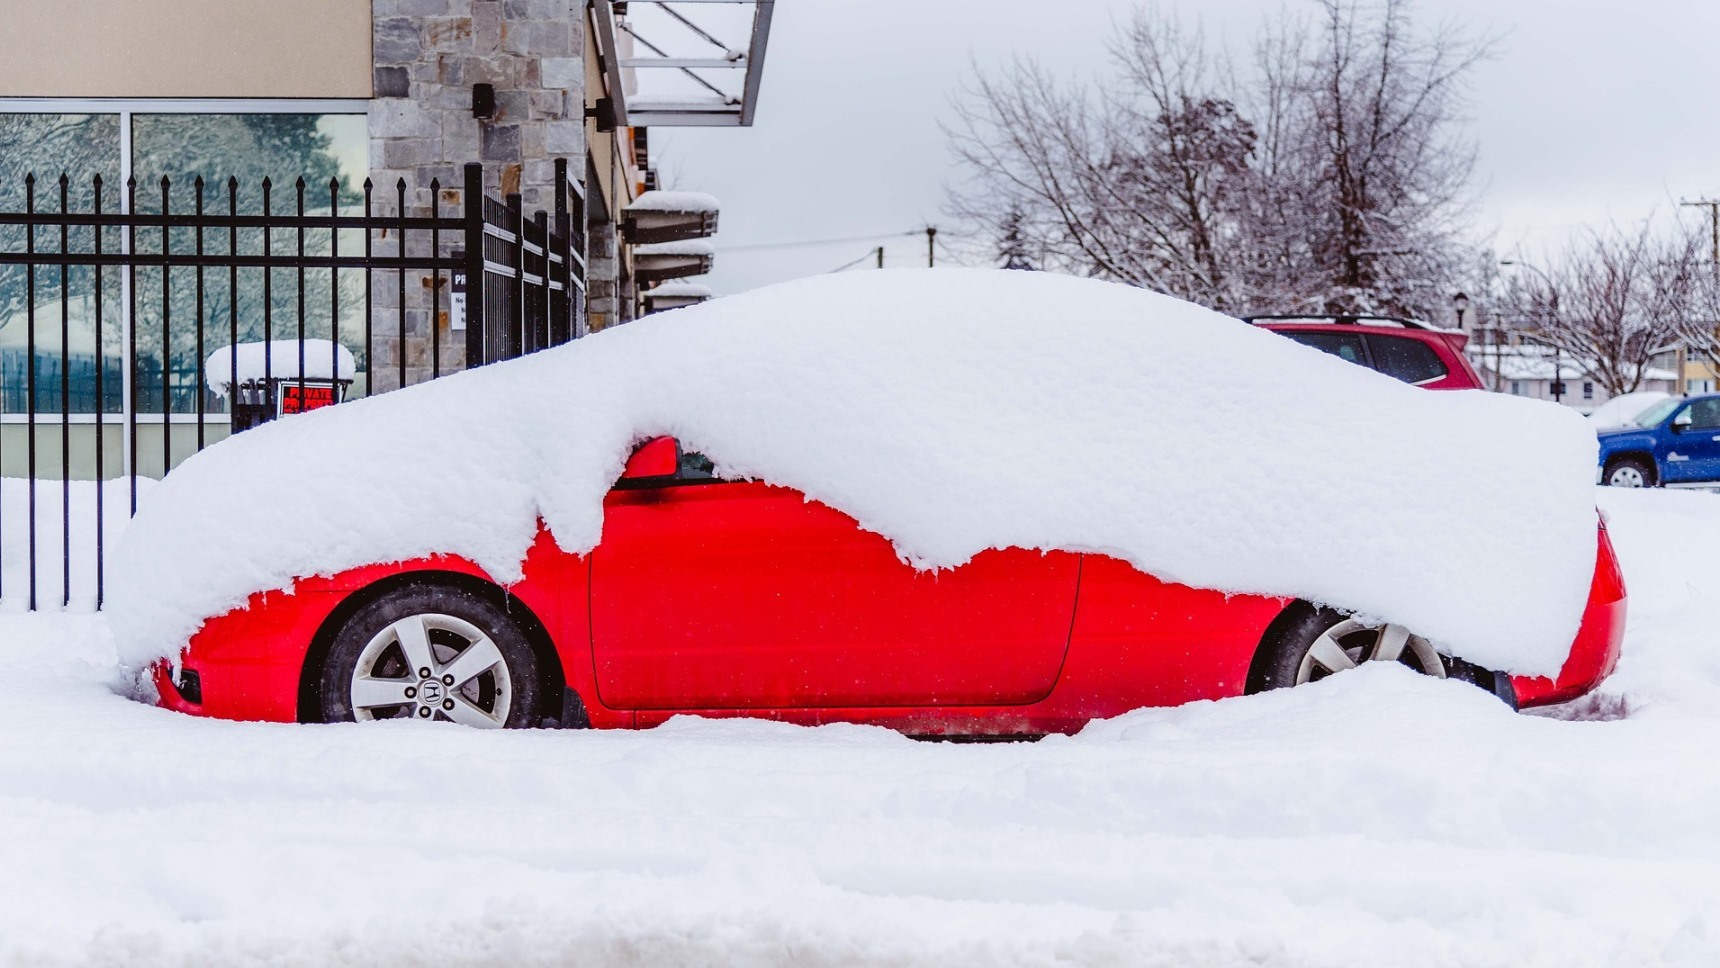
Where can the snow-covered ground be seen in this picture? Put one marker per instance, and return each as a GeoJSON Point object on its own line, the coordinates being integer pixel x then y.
{"type": "Point", "coordinates": [1376, 818]}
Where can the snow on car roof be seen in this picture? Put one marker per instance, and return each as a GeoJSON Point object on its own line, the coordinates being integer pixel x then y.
{"type": "Point", "coordinates": [952, 411]}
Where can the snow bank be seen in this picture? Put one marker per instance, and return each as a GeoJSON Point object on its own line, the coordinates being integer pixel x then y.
{"type": "Point", "coordinates": [952, 411]}
{"type": "Point", "coordinates": [665, 201]}
{"type": "Point", "coordinates": [282, 362]}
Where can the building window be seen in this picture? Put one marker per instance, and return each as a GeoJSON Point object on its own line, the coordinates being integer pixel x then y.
{"type": "Point", "coordinates": [181, 140]}
{"type": "Point", "coordinates": [1588, 390]}
{"type": "Point", "coordinates": [1517, 388]}
{"type": "Point", "coordinates": [45, 144]}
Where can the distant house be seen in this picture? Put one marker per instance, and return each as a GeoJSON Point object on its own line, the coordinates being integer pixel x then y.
{"type": "Point", "coordinates": [1533, 371]}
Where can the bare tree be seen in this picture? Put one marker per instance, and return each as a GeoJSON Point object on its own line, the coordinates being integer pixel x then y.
{"type": "Point", "coordinates": [1333, 179]}
{"type": "Point", "coordinates": [1370, 161]}
{"type": "Point", "coordinates": [1613, 299]}
{"type": "Point", "coordinates": [1136, 182]}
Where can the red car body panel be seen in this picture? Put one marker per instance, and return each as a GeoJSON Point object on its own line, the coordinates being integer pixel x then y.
{"type": "Point", "coordinates": [744, 599]}
{"type": "Point", "coordinates": [748, 596]}
{"type": "Point", "coordinates": [1594, 654]}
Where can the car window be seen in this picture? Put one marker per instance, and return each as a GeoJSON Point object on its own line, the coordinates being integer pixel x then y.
{"type": "Point", "coordinates": [1705, 414]}
{"type": "Point", "coordinates": [1410, 360]}
{"type": "Point", "coordinates": [1345, 346]}
{"type": "Point", "coordinates": [695, 466]}
{"type": "Point", "coordinates": [1655, 414]}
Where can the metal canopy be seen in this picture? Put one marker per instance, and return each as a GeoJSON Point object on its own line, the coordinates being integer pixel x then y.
{"type": "Point", "coordinates": [683, 67]}
{"type": "Point", "coordinates": [651, 267]}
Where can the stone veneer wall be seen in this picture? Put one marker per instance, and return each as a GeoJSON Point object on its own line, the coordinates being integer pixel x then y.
{"type": "Point", "coordinates": [427, 56]}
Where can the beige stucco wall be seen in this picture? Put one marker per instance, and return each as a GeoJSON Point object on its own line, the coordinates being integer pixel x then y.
{"type": "Point", "coordinates": [185, 48]}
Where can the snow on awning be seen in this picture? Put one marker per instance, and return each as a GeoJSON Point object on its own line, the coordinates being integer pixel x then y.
{"type": "Point", "coordinates": [672, 260]}
{"type": "Point", "coordinates": [663, 216]}
{"type": "Point", "coordinates": [675, 294]}
{"type": "Point", "coordinates": [665, 66]}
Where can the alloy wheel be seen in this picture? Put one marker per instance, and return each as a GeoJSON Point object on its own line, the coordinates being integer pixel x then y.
{"type": "Point", "coordinates": [432, 666]}
{"type": "Point", "coordinates": [1351, 642]}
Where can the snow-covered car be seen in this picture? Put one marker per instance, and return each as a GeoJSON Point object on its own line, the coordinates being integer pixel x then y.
{"type": "Point", "coordinates": [1624, 409]}
{"type": "Point", "coordinates": [897, 499]}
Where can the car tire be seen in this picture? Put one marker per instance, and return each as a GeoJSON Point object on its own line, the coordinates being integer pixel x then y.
{"type": "Point", "coordinates": [435, 653]}
{"type": "Point", "coordinates": [1309, 643]}
{"type": "Point", "coordinates": [1628, 472]}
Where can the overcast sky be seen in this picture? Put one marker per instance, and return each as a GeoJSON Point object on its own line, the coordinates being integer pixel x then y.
{"type": "Point", "coordinates": [1592, 110]}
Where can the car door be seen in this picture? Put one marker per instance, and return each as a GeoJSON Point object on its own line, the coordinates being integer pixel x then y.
{"type": "Point", "coordinates": [1691, 448]}
{"type": "Point", "coordinates": [723, 595]}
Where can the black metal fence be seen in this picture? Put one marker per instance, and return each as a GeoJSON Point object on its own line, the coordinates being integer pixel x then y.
{"type": "Point", "coordinates": [527, 276]}
{"type": "Point", "coordinates": [139, 327]}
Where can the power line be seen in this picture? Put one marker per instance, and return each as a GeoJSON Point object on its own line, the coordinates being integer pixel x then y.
{"type": "Point", "coordinates": [868, 257]}
{"type": "Point", "coordinates": [811, 242]}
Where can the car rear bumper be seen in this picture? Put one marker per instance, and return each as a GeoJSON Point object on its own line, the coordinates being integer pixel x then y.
{"type": "Point", "coordinates": [1595, 652]}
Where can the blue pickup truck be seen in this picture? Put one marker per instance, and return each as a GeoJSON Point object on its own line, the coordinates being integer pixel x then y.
{"type": "Point", "coordinates": [1674, 443]}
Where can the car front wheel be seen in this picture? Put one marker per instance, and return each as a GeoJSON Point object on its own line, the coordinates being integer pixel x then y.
{"type": "Point", "coordinates": [1318, 642]}
{"type": "Point", "coordinates": [432, 653]}
{"type": "Point", "coordinates": [1629, 472]}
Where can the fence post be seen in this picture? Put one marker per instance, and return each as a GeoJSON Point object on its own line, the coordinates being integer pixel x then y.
{"type": "Point", "coordinates": [561, 313]}
{"type": "Point", "coordinates": [474, 202]}
{"type": "Point", "coordinates": [516, 335]}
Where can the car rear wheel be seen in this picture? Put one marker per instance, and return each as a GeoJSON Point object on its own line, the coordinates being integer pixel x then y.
{"type": "Point", "coordinates": [1629, 472]}
{"type": "Point", "coordinates": [432, 653]}
{"type": "Point", "coordinates": [1318, 642]}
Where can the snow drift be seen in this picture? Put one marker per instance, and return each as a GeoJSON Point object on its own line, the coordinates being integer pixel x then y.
{"type": "Point", "coordinates": [951, 411]}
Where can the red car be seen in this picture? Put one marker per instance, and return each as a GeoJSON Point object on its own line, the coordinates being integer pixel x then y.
{"type": "Point", "coordinates": [739, 598]}
{"type": "Point", "coordinates": [1413, 352]}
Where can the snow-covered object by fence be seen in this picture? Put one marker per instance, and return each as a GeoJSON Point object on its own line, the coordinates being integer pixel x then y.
{"type": "Point", "coordinates": [277, 359]}
{"type": "Point", "coordinates": [952, 411]}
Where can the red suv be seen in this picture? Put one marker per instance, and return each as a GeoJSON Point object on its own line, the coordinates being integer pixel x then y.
{"type": "Point", "coordinates": [1412, 352]}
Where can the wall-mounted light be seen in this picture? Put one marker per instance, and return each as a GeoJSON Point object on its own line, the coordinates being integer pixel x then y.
{"type": "Point", "coordinates": [483, 101]}
{"type": "Point", "coordinates": [603, 112]}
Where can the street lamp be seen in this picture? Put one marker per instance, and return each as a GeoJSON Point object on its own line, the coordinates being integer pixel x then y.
{"type": "Point", "coordinates": [1553, 302]}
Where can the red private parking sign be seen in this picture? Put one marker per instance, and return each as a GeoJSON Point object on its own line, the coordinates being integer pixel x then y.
{"type": "Point", "coordinates": [298, 399]}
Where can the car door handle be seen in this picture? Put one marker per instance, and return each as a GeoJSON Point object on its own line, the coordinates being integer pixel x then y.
{"type": "Point", "coordinates": [1717, 436]}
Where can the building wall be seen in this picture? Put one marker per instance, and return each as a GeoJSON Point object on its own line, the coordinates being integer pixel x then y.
{"type": "Point", "coordinates": [427, 56]}
{"type": "Point", "coordinates": [186, 48]}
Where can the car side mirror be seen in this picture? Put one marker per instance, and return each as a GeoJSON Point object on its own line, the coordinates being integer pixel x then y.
{"type": "Point", "coordinates": [1681, 422]}
{"type": "Point", "coordinates": [657, 460]}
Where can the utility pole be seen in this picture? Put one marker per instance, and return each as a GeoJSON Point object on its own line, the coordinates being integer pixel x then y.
{"type": "Point", "coordinates": [880, 257]}
{"type": "Point", "coordinates": [931, 246]}
{"type": "Point", "coordinates": [1713, 207]}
